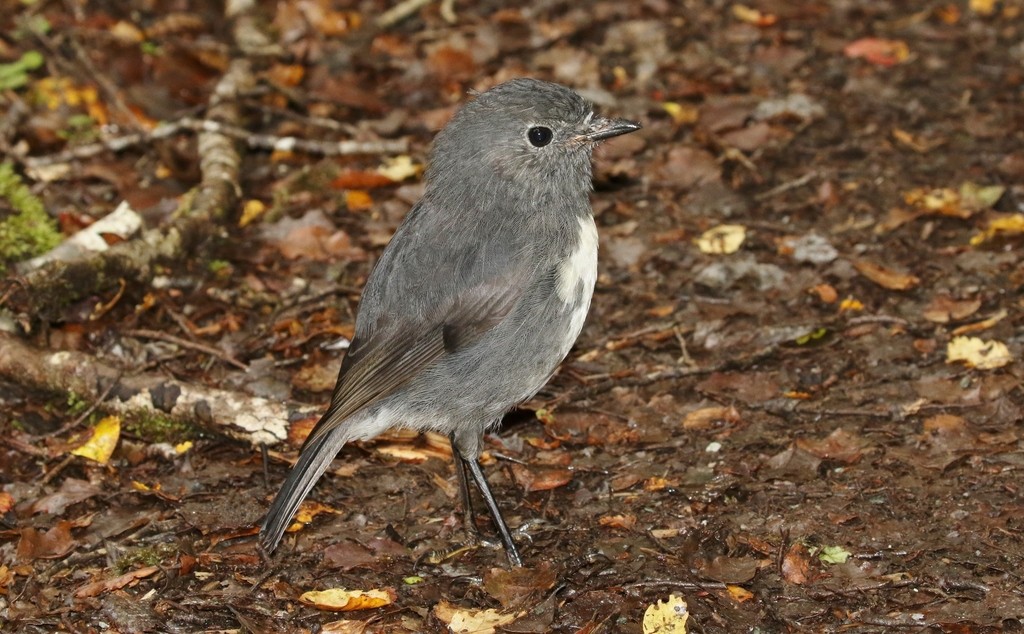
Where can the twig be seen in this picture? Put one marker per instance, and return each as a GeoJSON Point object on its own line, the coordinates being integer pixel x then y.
{"type": "Point", "coordinates": [788, 185]}
{"type": "Point", "coordinates": [399, 12]}
{"type": "Point", "coordinates": [185, 343]}
{"type": "Point", "coordinates": [252, 140]}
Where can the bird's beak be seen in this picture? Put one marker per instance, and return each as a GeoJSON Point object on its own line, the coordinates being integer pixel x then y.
{"type": "Point", "coordinates": [601, 128]}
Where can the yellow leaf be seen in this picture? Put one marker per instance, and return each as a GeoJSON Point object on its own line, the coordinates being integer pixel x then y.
{"type": "Point", "coordinates": [978, 353]}
{"type": "Point", "coordinates": [666, 617]}
{"type": "Point", "coordinates": [462, 621]}
{"type": "Point", "coordinates": [681, 113]}
{"type": "Point", "coordinates": [251, 210]}
{"type": "Point", "coordinates": [104, 439]}
{"type": "Point", "coordinates": [850, 304]}
{"type": "Point", "coordinates": [752, 16]}
{"type": "Point", "coordinates": [182, 447]}
{"type": "Point", "coordinates": [983, 7]}
{"type": "Point", "coordinates": [400, 168]}
{"type": "Point", "coordinates": [342, 600]}
{"type": "Point", "coordinates": [358, 200]}
{"type": "Point", "coordinates": [1001, 226]}
{"type": "Point", "coordinates": [722, 240]}
{"type": "Point", "coordinates": [740, 595]}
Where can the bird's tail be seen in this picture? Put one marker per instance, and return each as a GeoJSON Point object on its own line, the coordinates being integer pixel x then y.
{"type": "Point", "coordinates": [313, 461]}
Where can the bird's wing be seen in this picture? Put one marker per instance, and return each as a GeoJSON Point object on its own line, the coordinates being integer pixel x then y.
{"type": "Point", "coordinates": [413, 312]}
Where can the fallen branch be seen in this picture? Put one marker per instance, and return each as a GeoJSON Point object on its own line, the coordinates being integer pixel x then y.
{"type": "Point", "coordinates": [44, 292]}
{"type": "Point", "coordinates": [240, 416]}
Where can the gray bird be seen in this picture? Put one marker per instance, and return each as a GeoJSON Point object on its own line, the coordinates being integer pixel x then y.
{"type": "Point", "coordinates": [481, 292]}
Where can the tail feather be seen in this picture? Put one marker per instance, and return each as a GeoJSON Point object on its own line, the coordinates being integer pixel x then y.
{"type": "Point", "coordinates": [313, 461]}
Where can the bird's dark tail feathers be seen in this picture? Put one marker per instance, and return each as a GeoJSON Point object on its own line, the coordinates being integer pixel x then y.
{"type": "Point", "coordinates": [313, 461]}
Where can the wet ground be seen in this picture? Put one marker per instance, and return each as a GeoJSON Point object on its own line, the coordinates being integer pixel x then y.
{"type": "Point", "coordinates": [779, 432]}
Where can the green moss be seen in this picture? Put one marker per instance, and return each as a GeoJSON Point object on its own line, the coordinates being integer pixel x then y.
{"type": "Point", "coordinates": [28, 231]}
{"type": "Point", "coordinates": [144, 556]}
{"type": "Point", "coordinates": [159, 428]}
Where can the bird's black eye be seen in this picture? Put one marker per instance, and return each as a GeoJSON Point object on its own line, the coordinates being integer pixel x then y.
{"type": "Point", "coordinates": [539, 136]}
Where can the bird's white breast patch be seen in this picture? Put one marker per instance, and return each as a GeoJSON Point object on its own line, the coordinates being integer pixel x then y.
{"type": "Point", "coordinates": [581, 265]}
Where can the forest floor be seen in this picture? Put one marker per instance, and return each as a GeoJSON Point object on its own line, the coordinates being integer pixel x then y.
{"type": "Point", "coordinates": [796, 404]}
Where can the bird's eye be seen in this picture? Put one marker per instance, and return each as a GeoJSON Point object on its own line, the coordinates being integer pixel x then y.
{"type": "Point", "coordinates": [539, 136]}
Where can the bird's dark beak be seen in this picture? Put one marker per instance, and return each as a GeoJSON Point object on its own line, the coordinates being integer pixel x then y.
{"type": "Point", "coordinates": [601, 128]}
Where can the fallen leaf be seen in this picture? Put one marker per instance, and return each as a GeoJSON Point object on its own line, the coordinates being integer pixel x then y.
{"type": "Point", "coordinates": [622, 521]}
{"type": "Point", "coordinates": [722, 240]}
{"type": "Point", "coordinates": [977, 353]}
{"type": "Point", "coordinates": [1000, 227]}
{"type": "Point", "coordinates": [943, 309]}
{"type": "Point", "coordinates": [834, 555]}
{"type": "Point", "coordinates": [460, 621]}
{"type": "Point", "coordinates": [513, 586]}
{"type": "Point", "coordinates": [53, 544]}
{"type": "Point", "coordinates": [666, 617]}
{"type": "Point", "coordinates": [400, 168]}
{"type": "Point", "coordinates": [886, 277]}
{"type": "Point", "coordinates": [878, 51]}
{"type": "Point", "coordinates": [710, 417]}
{"type": "Point", "coordinates": [739, 593]}
{"type": "Point", "coordinates": [99, 587]}
{"type": "Point", "coordinates": [984, 324]}
{"type": "Point", "coordinates": [841, 446]}
{"type": "Point", "coordinates": [796, 565]}
{"type": "Point", "coordinates": [681, 113]}
{"type": "Point", "coordinates": [543, 479]}
{"type": "Point", "coordinates": [72, 491]}
{"type": "Point", "coordinates": [104, 439]}
{"type": "Point", "coordinates": [342, 600]}
{"type": "Point", "coordinates": [6, 502]}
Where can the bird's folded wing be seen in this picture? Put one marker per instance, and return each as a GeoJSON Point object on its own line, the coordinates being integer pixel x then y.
{"type": "Point", "coordinates": [399, 350]}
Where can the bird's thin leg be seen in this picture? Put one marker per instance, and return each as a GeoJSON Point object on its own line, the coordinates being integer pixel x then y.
{"type": "Point", "coordinates": [468, 515]}
{"type": "Point", "coordinates": [499, 521]}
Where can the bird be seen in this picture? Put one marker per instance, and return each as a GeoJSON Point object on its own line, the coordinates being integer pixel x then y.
{"type": "Point", "coordinates": [480, 294]}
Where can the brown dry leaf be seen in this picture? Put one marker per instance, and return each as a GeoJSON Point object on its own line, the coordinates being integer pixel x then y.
{"type": "Point", "coordinates": [840, 445]}
{"type": "Point", "coordinates": [944, 309]}
{"type": "Point", "coordinates": [984, 324]}
{"type": "Point", "coordinates": [656, 483]}
{"type": "Point", "coordinates": [6, 577]}
{"type": "Point", "coordinates": [623, 521]}
{"type": "Point", "coordinates": [878, 51]}
{"type": "Point", "coordinates": [711, 417]}
{"type": "Point", "coordinates": [916, 143]}
{"type": "Point", "coordinates": [361, 180]}
{"type": "Point", "coordinates": [97, 588]}
{"type": "Point", "coordinates": [946, 432]}
{"type": "Point", "coordinates": [796, 565]}
{"type": "Point", "coordinates": [515, 586]}
{"type": "Point", "coordinates": [543, 479]}
{"type": "Point", "coordinates": [6, 502]}
{"type": "Point", "coordinates": [886, 277]}
{"type": "Point", "coordinates": [347, 555]}
{"type": "Point", "coordinates": [826, 293]}
{"type": "Point", "coordinates": [731, 569]}
{"type": "Point", "coordinates": [53, 544]}
{"type": "Point", "coordinates": [342, 600]}
{"type": "Point", "coordinates": [345, 626]}
{"type": "Point", "coordinates": [460, 621]}
{"type": "Point", "coordinates": [72, 491]}
{"type": "Point", "coordinates": [411, 454]}
{"type": "Point", "coordinates": [744, 13]}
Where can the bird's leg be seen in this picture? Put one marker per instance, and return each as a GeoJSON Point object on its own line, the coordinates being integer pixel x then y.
{"type": "Point", "coordinates": [468, 516]}
{"type": "Point", "coordinates": [499, 522]}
